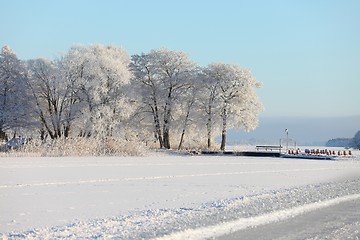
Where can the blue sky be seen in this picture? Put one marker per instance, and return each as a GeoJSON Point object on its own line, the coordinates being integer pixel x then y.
{"type": "Point", "coordinates": [306, 53]}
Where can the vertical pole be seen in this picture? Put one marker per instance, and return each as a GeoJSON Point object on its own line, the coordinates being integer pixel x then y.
{"type": "Point", "coordinates": [287, 140]}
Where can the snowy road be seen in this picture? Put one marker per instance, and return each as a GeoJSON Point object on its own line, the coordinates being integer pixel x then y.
{"type": "Point", "coordinates": [299, 222]}
{"type": "Point", "coordinates": [340, 221]}
{"type": "Point", "coordinates": [145, 197]}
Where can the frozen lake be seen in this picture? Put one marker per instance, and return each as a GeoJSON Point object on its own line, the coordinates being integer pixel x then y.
{"type": "Point", "coordinates": [132, 197]}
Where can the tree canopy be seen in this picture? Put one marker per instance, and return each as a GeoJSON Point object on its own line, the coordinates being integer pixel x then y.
{"type": "Point", "coordinates": [100, 91]}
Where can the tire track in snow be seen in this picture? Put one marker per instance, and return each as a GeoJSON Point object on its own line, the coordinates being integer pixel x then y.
{"type": "Point", "coordinates": [137, 165]}
{"type": "Point", "coordinates": [222, 229]}
{"type": "Point", "coordinates": [94, 181]}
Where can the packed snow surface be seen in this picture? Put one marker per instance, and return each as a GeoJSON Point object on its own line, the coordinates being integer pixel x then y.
{"type": "Point", "coordinates": [165, 196]}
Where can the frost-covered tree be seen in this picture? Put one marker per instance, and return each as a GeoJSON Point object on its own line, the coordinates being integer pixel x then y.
{"type": "Point", "coordinates": [187, 107]}
{"type": "Point", "coordinates": [93, 90]}
{"type": "Point", "coordinates": [13, 94]}
{"type": "Point", "coordinates": [187, 114]}
{"type": "Point", "coordinates": [175, 70]}
{"type": "Point", "coordinates": [236, 97]}
{"type": "Point", "coordinates": [99, 75]}
{"type": "Point", "coordinates": [163, 76]}
{"type": "Point", "coordinates": [209, 102]}
{"type": "Point", "coordinates": [147, 84]}
{"type": "Point", "coordinates": [52, 95]}
{"type": "Point", "coordinates": [84, 89]}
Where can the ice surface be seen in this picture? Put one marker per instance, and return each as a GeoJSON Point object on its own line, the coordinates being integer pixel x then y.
{"type": "Point", "coordinates": [154, 196]}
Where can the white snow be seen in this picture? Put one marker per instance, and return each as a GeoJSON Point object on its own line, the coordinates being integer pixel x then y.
{"type": "Point", "coordinates": [242, 223]}
{"type": "Point", "coordinates": [159, 195]}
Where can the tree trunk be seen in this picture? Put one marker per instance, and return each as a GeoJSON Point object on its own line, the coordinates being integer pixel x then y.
{"type": "Point", "coordinates": [67, 131]}
{"type": "Point", "coordinates": [160, 138]}
{"type": "Point", "coordinates": [184, 129]}
{"type": "Point", "coordinates": [166, 138]}
{"type": "Point", "coordinates": [158, 130]}
{"type": "Point", "coordinates": [167, 115]}
{"type": "Point", "coordinates": [158, 134]}
{"type": "Point", "coordinates": [223, 133]}
{"type": "Point", "coordinates": [42, 134]}
{"type": "Point", "coordinates": [209, 135]}
{"type": "Point", "coordinates": [189, 106]}
{"type": "Point", "coordinates": [166, 131]}
{"type": "Point", "coordinates": [181, 139]}
{"type": "Point", "coordinates": [209, 129]}
{"type": "Point", "coordinates": [3, 135]}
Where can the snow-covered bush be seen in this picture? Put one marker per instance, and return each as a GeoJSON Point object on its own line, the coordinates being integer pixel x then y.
{"type": "Point", "coordinates": [79, 147]}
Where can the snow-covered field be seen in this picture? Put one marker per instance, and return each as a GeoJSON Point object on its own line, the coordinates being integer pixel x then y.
{"type": "Point", "coordinates": [166, 195]}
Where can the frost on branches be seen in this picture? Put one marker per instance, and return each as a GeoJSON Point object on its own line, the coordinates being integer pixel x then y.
{"type": "Point", "coordinates": [236, 99]}
{"type": "Point", "coordinates": [83, 90]}
{"type": "Point", "coordinates": [13, 93]}
{"type": "Point", "coordinates": [161, 97]}
{"type": "Point", "coordinates": [163, 78]}
{"type": "Point", "coordinates": [50, 93]}
{"type": "Point", "coordinates": [99, 74]}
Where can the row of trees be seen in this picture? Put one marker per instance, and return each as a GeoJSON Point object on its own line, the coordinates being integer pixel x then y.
{"type": "Point", "coordinates": [345, 142]}
{"type": "Point", "coordinates": [356, 140]}
{"type": "Point", "coordinates": [100, 91]}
